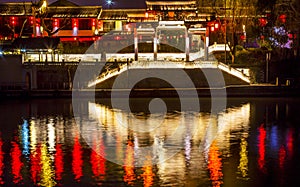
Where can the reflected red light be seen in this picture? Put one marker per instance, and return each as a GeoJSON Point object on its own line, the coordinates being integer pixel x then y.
{"type": "Point", "coordinates": [58, 161]}
{"type": "Point", "coordinates": [35, 161]}
{"type": "Point", "coordinates": [77, 160]}
{"type": "Point", "coordinates": [290, 142]}
{"type": "Point", "coordinates": [215, 165]}
{"type": "Point", "coordinates": [16, 164]}
{"type": "Point", "coordinates": [261, 148]}
{"type": "Point", "coordinates": [129, 175]}
{"type": "Point", "coordinates": [1, 162]}
{"type": "Point", "coordinates": [97, 161]}
{"type": "Point", "coordinates": [281, 157]}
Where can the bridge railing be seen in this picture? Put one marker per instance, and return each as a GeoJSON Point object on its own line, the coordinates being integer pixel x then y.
{"type": "Point", "coordinates": [234, 72]}
{"type": "Point", "coordinates": [218, 47]}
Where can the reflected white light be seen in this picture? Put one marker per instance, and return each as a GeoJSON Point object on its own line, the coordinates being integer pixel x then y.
{"type": "Point", "coordinates": [51, 136]}
{"type": "Point", "coordinates": [187, 147]}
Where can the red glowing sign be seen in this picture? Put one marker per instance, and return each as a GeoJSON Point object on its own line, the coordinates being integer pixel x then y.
{"type": "Point", "coordinates": [58, 161]}
{"type": "Point", "coordinates": [77, 160]}
{"type": "Point", "coordinates": [16, 163]}
{"type": "Point", "coordinates": [35, 170]}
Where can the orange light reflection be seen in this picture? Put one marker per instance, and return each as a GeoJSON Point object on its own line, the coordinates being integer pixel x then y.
{"type": "Point", "coordinates": [129, 176]}
{"type": "Point", "coordinates": [215, 165]}
{"type": "Point", "coordinates": [148, 173]}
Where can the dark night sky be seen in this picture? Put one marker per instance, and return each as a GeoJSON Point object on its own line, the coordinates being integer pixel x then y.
{"type": "Point", "coordinates": [117, 3]}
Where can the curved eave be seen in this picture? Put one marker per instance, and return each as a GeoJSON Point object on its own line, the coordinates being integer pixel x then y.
{"type": "Point", "coordinates": [170, 2]}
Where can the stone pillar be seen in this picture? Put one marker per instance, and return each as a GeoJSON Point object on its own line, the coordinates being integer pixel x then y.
{"type": "Point", "coordinates": [136, 49]}
{"type": "Point", "coordinates": [155, 46]}
{"type": "Point", "coordinates": [187, 46]}
{"type": "Point", "coordinates": [206, 45]}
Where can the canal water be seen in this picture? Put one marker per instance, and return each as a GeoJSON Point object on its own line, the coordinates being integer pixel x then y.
{"type": "Point", "coordinates": [253, 142]}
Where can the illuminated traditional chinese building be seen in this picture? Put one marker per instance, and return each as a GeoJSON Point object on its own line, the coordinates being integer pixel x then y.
{"type": "Point", "coordinates": [60, 19]}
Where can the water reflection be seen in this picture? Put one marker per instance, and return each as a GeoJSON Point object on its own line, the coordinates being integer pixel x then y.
{"type": "Point", "coordinates": [35, 159]}
{"type": "Point", "coordinates": [16, 163]}
{"type": "Point", "coordinates": [59, 163]}
{"type": "Point", "coordinates": [97, 159]}
{"type": "Point", "coordinates": [216, 149]}
{"type": "Point", "coordinates": [129, 175]}
{"type": "Point", "coordinates": [215, 165]}
{"type": "Point", "coordinates": [261, 148]}
{"type": "Point", "coordinates": [1, 162]}
{"type": "Point", "coordinates": [77, 159]}
{"type": "Point", "coordinates": [47, 171]}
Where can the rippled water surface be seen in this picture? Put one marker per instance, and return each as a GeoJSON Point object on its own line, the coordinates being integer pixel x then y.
{"type": "Point", "coordinates": [253, 142]}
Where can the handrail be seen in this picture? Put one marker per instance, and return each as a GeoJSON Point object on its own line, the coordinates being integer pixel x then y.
{"type": "Point", "coordinates": [168, 65]}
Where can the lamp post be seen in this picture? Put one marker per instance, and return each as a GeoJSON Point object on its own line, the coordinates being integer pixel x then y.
{"type": "Point", "coordinates": [268, 58]}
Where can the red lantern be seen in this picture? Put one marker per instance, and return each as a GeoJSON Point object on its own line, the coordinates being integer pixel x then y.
{"type": "Point", "coordinates": [217, 26]}
{"type": "Point", "coordinates": [93, 22]}
{"type": "Point", "coordinates": [13, 21]}
{"type": "Point", "coordinates": [75, 22]}
{"type": "Point", "coordinates": [31, 20]}
{"type": "Point", "coordinates": [243, 37]}
{"type": "Point", "coordinates": [282, 18]}
{"type": "Point", "coordinates": [55, 23]}
{"type": "Point", "coordinates": [262, 22]}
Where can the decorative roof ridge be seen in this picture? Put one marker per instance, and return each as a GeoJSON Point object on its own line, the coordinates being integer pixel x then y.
{"type": "Point", "coordinates": [62, 3]}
